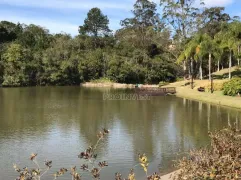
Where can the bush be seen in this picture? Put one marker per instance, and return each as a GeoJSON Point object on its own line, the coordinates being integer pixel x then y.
{"type": "Point", "coordinates": [179, 79]}
{"type": "Point", "coordinates": [102, 80]}
{"type": "Point", "coordinates": [220, 161]}
{"type": "Point", "coordinates": [216, 86]}
{"type": "Point", "coordinates": [163, 83]}
{"type": "Point", "coordinates": [232, 87]}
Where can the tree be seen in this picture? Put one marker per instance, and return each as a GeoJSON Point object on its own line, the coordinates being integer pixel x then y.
{"type": "Point", "coordinates": [229, 39]}
{"type": "Point", "coordinates": [96, 24]}
{"type": "Point", "coordinates": [9, 31]}
{"type": "Point", "coordinates": [181, 15]}
{"type": "Point", "coordinates": [197, 51]}
{"type": "Point", "coordinates": [15, 65]}
{"type": "Point", "coordinates": [60, 63]}
{"type": "Point", "coordinates": [210, 47]}
{"type": "Point", "coordinates": [34, 37]}
{"type": "Point", "coordinates": [91, 65]}
{"type": "Point", "coordinates": [144, 27]}
{"type": "Point", "coordinates": [212, 20]}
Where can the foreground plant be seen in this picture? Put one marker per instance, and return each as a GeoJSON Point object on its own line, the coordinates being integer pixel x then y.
{"type": "Point", "coordinates": [143, 162]}
{"type": "Point", "coordinates": [88, 155]}
{"type": "Point", "coordinates": [90, 166]}
{"type": "Point", "coordinates": [35, 173]}
{"type": "Point", "coordinates": [222, 161]}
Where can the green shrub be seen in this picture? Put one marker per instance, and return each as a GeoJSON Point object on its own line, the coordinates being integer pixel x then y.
{"type": "Point", "coordinates": [179, 79]}
{"type": "Point", "coordinates": [163, 83]}
{"type": "Point", "coordinates": [232, 87]}
{"type": "Point", "coordinates": [102, 80]}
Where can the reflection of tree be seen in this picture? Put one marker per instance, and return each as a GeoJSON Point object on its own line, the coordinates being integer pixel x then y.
{"type": "Point", "coordinates": [159, 127]}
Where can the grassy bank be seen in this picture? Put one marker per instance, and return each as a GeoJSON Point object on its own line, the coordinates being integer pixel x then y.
{"type": "Point", "coordinates": [182, 91]}
{"type": "Point", "coordinates": [216, 98]}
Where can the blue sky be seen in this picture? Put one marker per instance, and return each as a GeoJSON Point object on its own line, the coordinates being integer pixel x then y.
{"type": "Point", "coordinates": [66, 15]}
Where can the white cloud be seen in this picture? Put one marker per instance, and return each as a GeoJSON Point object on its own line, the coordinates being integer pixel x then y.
{"type": "Point", "coordinates": [54, 26]}
{"type": "Point", "coordinates": [210, 3]}
{"type": "Point", "coordinates": [66, 4]}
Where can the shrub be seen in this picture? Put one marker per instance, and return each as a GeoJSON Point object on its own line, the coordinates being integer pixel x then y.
{"type": "Point", "coordinates": [102, 80]}
{"type": "Point", "coordinates": [179, 79]}
{"type": "Point", "coordinates": [221, 161]}
{"type": "Point", "coordinates": [163, 83]}
{"type": "Point", "coordinates": [218, 86]}
{"type": "Point", "coordinates": [232, 87]}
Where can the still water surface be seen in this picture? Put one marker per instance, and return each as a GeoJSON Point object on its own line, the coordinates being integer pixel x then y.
{"type": "Point", "coordinates": [59, 122]}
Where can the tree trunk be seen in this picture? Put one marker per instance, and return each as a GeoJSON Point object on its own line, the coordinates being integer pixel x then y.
{"type": "Point", "coordinates": [218, 65]}
{"type": "Point", "coordinates": [200, 69]}
{"type": "Point", "coordinates": [189, 70]}
{"type": "Point", "coordinates": [238, 55]}
{"type": "Point", "coordinates": [209, 65]}
{"type": "Point", "coordinates": [230, 64]}
{"type": "Point", "coordinates": [184, 68]}
{"type": "Point", "coordinates": [192, 73]}
{"type": "Point", "coordinates": [192, 66]}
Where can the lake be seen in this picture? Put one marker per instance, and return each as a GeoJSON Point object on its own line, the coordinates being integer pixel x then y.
{"type": "Point", "coordinates": [60, 122]}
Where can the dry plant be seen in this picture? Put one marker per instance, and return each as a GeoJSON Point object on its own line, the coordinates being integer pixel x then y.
{"type": "Point", "coordinates": [221, 161]}
{"type": "Point", "coordinates": [90, 166]}
{"type": "Point", "coordinates": [88, 155]}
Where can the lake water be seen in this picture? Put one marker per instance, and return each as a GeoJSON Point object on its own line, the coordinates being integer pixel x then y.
{"type": "Point", "coordinates": [60, 122]}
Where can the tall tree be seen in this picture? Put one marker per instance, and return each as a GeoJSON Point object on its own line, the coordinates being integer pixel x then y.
{"type": "Point", "coordinates": [96, 24]}
{"type": "Point", "coordinates": [34, 37]}
{"type": "Point", "coordinates": [145, 29]}
{"type": "Point", "coordinates": [212, 20]}
{"type": "Point", "coordinates": [15, 65]}
{"type": "Point", "coordinates": [229, 39]}
{"type": "Point", "coordinates": [210, 47]}
{"type": "Point", "coordinates": [181, 15]}
{"type": "Point", "coordinates": [9, 31]}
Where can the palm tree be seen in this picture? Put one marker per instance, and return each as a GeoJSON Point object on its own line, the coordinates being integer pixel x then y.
{"type": "Point", "coordinates": [193, 52]}
{"type": "Point", "coordinates": [208, 46]}
{"type": "Point", "coordinates": [182, 59]}
{"type": "Point", "coordinates": [229, 39]}
{"type": "Point", "coordinates": [236, 28]}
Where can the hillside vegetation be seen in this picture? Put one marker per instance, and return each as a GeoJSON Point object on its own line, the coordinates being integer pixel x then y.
{"type": "Point", "coordinates": [158, 43]}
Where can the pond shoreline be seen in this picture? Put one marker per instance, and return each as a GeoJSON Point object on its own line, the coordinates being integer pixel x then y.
{"type": "Point", "coordinates": [217, 99]}
{"type": "Point", "coordinates": [170, 176]}
{"type": "Point", "coordinates": [183, 92]}
{"type": "Point", "coordinates": [115, 85]}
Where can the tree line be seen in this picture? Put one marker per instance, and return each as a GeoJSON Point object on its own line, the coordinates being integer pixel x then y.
{"type": "Point", "coordinates": [148, 48]}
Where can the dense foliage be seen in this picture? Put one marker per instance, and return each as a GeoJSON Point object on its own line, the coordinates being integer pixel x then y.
{"type": "Point", "coordinates": [221, 161]}
{"type": "Point", "coordinates": [148, 48]}
{"type": "Point", "coordinates": [232, 87]}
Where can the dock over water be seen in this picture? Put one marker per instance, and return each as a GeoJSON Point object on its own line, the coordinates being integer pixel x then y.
{"type": "Point", "coordinates": [155, 91]}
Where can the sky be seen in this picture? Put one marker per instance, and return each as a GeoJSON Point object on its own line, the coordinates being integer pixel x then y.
{"type": "Point", "coordinates": [66, 15]}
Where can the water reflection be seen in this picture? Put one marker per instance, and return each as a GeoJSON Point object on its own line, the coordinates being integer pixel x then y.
{"type": "Point", "coordinates": [59, 122]}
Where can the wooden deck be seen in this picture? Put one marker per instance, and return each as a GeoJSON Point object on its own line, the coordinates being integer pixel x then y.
{"type": "Point", "coordinates": [156, 91]}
